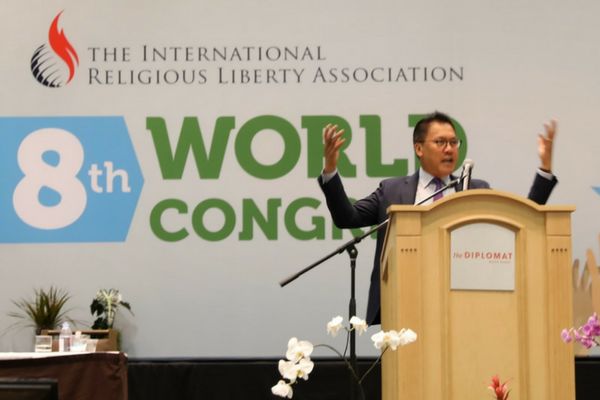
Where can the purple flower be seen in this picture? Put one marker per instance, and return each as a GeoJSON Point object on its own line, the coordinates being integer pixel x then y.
{"type": "Point", "coordinates": [593, 325]}
{"type": "Point", "coordinates": [586, 334]}
{"type": "Point", "coordinates": [587, 342]}
{"type": "Point", "coordinates": [587, 329]}
{"type": "Point", "coordinates": [565, 335]}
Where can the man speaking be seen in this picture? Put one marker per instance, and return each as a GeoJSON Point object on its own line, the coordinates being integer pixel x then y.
{"type": "Point", "coordinates": [436, 145]}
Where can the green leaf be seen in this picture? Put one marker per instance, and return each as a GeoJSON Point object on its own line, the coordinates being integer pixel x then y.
{"type": "Point", "coordinates": [45, 311]}
{"type": "Point", "coordinates": [127, 306]}
{"type": "Point", "coordinates": [97, 308]}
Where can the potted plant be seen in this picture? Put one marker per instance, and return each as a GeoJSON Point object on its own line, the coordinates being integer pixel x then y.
{"type": "Point", "coordinates": [46, 311]}
{"type": "Point", "coordinates": [104, 308]}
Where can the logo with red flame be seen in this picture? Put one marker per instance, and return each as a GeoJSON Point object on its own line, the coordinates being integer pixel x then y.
{"type": "Point", "coordinates": [53, 64]}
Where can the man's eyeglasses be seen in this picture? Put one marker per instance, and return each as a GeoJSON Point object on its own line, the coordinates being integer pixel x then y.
{"type": "Point", "coordinates": [442, 143]}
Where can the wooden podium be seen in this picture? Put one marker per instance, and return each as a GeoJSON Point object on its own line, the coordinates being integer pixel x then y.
{"type": "Point", "coordinates": [484, 278]}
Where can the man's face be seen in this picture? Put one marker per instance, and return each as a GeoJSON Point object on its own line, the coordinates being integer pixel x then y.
{"type": "Point", "coordinates": [436, 160]}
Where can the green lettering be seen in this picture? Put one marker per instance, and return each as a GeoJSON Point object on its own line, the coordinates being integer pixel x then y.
{"type": "Point", "coordinates": [251, 213]}
{"type": "Point", "coordinates": [156, 224]}
{"type": "Point", "coordinates": [291, 151]}
{"type": "Point", "coordinates": [317, 230]}
{"type": "Point", "coordinates": [208, 164]}
{"type": "Point", "coordinates": [198, 219]}
{"type": "Point", "coordinates": [375, 167]}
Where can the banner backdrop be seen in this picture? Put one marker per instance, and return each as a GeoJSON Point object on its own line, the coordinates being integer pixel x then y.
{"type": "Point", "coordinates": [170, 149]}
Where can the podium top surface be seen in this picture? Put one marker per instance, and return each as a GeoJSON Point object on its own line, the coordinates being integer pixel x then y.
{"type": "Point", "coordinates": [481, 195]}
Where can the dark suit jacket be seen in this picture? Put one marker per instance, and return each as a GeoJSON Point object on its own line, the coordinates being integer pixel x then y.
{"type": "Point", "coordinates": [371, 211]}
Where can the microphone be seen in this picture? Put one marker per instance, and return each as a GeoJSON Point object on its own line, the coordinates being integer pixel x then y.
{"type": "Point", "coordinates": [465, 176]}
{"type": "Point", "coordinates": [451, 184]}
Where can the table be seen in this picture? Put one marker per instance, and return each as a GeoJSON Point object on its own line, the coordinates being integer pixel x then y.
{"type": "Point", "coordinates": [90, 376]}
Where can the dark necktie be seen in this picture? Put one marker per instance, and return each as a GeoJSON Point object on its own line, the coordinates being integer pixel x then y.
{"type": "Point", "coordinates": [438, 185]}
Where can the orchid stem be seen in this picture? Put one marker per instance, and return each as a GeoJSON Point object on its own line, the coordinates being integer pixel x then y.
{"type": "Point", "coordinates": [372, 366]}
{"type": "Point", "coordinates": [347, 341]}
{"type": "Point", "coordinates": [348, 365]}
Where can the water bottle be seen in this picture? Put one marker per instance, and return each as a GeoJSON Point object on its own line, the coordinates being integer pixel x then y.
{"type": "Point", "coordinates": [64, 339]}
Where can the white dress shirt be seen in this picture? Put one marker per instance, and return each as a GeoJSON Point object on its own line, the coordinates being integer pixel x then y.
{"type": "Point", "coordinates": [426, 188]}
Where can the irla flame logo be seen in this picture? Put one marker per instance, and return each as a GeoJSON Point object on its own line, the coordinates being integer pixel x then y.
{"type": "Point", "coordinates": [54, 65]}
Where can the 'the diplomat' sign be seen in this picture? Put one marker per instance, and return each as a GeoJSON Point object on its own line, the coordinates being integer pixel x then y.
{"type": "Point", "coordinates": [482, 258]}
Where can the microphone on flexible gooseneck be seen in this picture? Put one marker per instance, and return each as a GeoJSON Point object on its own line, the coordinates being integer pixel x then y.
{"type": "Point", "coordinates": [465, 176]}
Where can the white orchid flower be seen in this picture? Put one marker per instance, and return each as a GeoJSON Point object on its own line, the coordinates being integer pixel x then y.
{"type": "Point", "coordinates": [282, 389]}
{"type": "Point", "coordinates": [304, 368]}
{"type": "Point", "coordinates": [334, 326]}
{"type": "Point", "coordinates": [298, 349]}
{"type": "Point", "coordinates": [360, 325]}
{"type": "Point", "coordinates": [292, 371]}
{"type": "Point", "coordinates": [393, 339]}
{"type": "Point", "coordinates": [288, 370]}
{"type": "Point", "coordinates": [407, 336]}
{"type": "Point", "coordinates": [382, 339]}
{"type": "Point", "coordinates": [378, 339]}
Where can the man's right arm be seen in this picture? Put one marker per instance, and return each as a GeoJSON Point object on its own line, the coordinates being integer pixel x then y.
{"type": "Point", "coordinates": [333, 140]}
{"type": "Point", "coordinates": [326, 176]}
{"type": "Point", "coordinates": [343, 212]}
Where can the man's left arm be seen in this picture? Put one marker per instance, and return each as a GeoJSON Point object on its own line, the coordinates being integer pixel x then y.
{"type": "Point", "coordinates": [544, 180]}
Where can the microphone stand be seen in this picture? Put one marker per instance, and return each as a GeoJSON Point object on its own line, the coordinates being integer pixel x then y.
{"type": "Point", "coordinates": [353, 253]}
